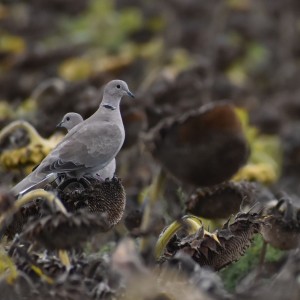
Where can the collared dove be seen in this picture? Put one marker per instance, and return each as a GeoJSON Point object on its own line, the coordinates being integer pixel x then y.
{"type": "Point", "coordinates": [89, 146]}
{"type": "Point", "coordinates": [72, 119]}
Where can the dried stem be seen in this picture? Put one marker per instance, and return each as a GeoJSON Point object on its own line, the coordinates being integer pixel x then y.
{"type": "Point", "coordinates": [40, 193]}
{"type": "Point", "coordinates": [192, 223]}
{"type": "Point", "coordinates": [262, 258]}
{"type": "Point", "coordinates": [155, 191]}
{"type": "Point", "coordinates": [32, 133]}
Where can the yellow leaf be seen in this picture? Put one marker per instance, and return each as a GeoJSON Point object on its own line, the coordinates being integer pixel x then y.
{"type": "Point", "coordinates": [239, 4]}
{"type": "Point", "coordinates": [7, 268]}
{"type": "Point", "coordinates": [75, 69]}
{"type": "Point", "coordinates": [11, 43]}
{"type": "Point", "coordinates": [264, 164]}
{"type": "Point", "coordinates": [237, 74]}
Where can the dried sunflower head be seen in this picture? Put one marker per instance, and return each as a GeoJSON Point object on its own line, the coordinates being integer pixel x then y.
{"type": "Point", "coordinates": [221, 248]}
{"type": "Point", "coordinates": [23, 147]}
{"type": "Point", "coordinates": [283, 228]}
{"type": "Point", "coordinates": [219, 201]}
{"type": "Point", "coordinates": [202, 147]}
{"type": "Point", "coordinates": [99, 197]}
{"type": "Point", "coordinates": [21, 217]}
{"type": "Point", "coordinates": [30, 206]}
{"type": "Point", "coordinates": [65, 230]}
{"type": "Point", "coordinates": [133, 219]}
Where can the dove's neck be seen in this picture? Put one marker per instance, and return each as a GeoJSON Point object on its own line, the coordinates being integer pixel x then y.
{"type": "Point", "coordinates": [110, 110]}
{"type": "Point", "coordinates": [110, 103]}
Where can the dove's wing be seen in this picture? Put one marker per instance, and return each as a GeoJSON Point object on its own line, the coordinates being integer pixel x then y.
{"type": "Point", "coordinates": [86, 150]}
{"type": "Point", "coordinates": [93, 146]}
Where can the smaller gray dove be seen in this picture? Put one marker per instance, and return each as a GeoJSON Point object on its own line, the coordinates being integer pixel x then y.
{"type": "Point", "coordinates": [70, 120]}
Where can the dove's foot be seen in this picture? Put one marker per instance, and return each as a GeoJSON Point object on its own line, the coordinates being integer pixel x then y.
{"type": "Point", "coordinates": [107, 179]}
{"type": "Point", "coordinates": [85, 181]}
{"type": "Point", "coordinates": [73, 184]}
{"type": "Point", "coordinates": [64, 184]}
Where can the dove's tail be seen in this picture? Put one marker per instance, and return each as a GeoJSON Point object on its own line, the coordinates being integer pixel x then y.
{"type": "Point", "coordinates": [33, 181]}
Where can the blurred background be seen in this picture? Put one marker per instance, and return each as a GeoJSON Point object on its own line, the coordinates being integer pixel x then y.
{"type": "Point", "coordinates": [175, 55]}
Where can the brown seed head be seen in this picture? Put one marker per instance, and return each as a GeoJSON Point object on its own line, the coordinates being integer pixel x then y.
{"type": "Point", "coordinates": [219, 201]}
{"type": "Point", "coordinates": [203, 147]}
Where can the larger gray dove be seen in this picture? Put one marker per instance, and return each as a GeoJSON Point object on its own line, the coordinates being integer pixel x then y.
{"type": "Point", "coordinates": [72, 119]}
{"type": "Point", "coordinates": [89, 146]}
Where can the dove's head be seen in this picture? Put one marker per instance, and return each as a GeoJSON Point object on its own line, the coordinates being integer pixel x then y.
{"type": "Point", "coordinates": [70, 120]}
{"type": "Point", "coordinates": [117, 89]}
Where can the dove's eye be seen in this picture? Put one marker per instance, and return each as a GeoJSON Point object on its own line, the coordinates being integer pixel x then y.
{"type": "Point", "coordinates": [68, 119]}
{"type": "Point", "coordinates": [118, 86]}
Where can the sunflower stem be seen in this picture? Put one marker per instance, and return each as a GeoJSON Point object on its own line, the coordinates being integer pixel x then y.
{"type": "Point", "coordinates": [40, 193]}
{"type": "Point", "coordinates": [191, 223]}
{"type": "Point", "coordinates": [261, 259]}
{"type": "Point", "coordinates": [154, 193]}
{"type": "Point", "coordinates": [32, 133]}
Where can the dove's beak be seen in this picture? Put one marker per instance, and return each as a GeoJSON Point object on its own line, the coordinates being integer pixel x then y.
{"type": "Point", "coordinates": [59, 124]}
{"type": "Point", "coordinates": [130, 94]}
